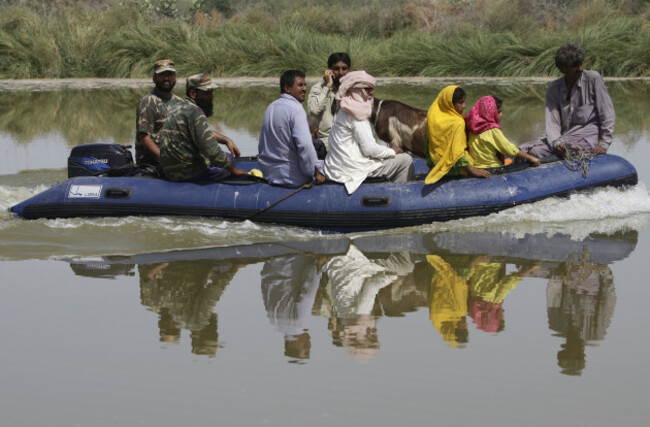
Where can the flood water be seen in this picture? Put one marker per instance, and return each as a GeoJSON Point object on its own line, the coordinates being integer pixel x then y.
{"type": "Point", "coordinates": [534, 316]}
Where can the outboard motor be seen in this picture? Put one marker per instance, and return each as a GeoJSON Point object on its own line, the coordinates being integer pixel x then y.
{"type": "Point", "coordinates": [97, 159]}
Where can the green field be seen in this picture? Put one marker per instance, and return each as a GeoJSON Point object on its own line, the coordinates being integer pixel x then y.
{"type": "Point", "coordinates": [112, 38]}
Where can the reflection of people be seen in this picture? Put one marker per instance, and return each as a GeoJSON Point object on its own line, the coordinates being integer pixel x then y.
{"type": "Point", "coordinates": [150, 276]}
{"type": "Point", "coordinates": [286, 153]}
{"type": "Point", "coordinates": [357, 334]}
{"type": "Point", "coordinates": [152, 111]}
{"type": "Point", "coordinates": [321, 96]}
{"type": "Point", "coordinates": [446, 138]}
{"type": "Point", "coordinates": [297, 346]}
{"type": "Point", "coordinates": [354, 282]}
{"type": "Point", "coordinates": [580, 308]}
{"type": "Point", "coordinates": [289, 286]}
{"type": "Point", "coordinates": [475, 286]}
{"type": "Point", "coordinates": [189, 149]}
{"type": "Point", "coordinates": [409, 291]}
{"type": "Point", "coordinates": [579, 110]}
{"type": "Point", "coordinates": [184, 294]}
{"type": "Point", "coordinates": [448, 302]}
{"type": "Point", "coordinates": [354, 154]}
{"type": "Point", "coordinates": [488, 287]}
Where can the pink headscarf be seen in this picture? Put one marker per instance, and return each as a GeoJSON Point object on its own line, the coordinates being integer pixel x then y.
{"type": "Point", "coordinates": [353, 96]}
{"type": "Point", "coordinates": [484, 115]}
{"type": "Point", "coordinates": [486, 315]}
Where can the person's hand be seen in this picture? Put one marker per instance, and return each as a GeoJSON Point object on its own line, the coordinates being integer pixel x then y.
{"type": "Point", "coordinates": [478, 173]}
{"type": "Point", "coordinates": [560, 150]}
{"type": "Point", "coordinates": [223, 139]}
{"type": "Point", "coordinates": [534, 161]}
{"type": "Point", "coordinates": [232, 147]}
{"type": "Point", "coordinates": [319, 178]}
{"type": "Point", "coordinates": [598, 150]}
{"type": "Point", "coordinates": [235, 171]}
{"type": "Point", "coordinates": [328, 77]}
{"type": "Point", "coordinates": [396, 149]}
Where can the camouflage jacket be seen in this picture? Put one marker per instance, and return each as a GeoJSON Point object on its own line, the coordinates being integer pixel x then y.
{"type": "Point", "coordinates": [150, 117]}
{"type": "Point", "coordinates": [187, 144]}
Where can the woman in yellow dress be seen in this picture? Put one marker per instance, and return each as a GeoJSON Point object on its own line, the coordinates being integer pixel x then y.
{"type": "Point", "coordinates": [447, 139]}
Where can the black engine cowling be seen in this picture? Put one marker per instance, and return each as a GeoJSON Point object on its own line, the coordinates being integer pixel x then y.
{"type": "Point", "coordinates": [97, 159]}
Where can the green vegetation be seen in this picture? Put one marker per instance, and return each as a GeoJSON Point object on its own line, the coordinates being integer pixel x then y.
{"type": "Point", "coordinates": [79, 116]}
{"type": "Point", "coordinates": [114, 38]}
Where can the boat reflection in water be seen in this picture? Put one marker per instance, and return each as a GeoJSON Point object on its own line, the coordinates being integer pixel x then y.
{"type": "Point", "coordinates": [463, 279]}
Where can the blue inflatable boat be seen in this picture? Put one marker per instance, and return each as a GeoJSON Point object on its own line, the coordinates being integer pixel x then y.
{"type": "Point", "coordinates": [375, 205]}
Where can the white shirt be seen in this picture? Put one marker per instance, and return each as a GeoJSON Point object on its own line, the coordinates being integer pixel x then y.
{"type": "Point", "coordinates": [353, 151]}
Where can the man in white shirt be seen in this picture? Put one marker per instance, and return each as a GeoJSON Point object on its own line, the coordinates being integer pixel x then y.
{"type": "Point", "coordinates": [354, 153]}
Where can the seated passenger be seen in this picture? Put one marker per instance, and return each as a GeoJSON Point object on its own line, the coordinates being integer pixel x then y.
{"type": "Point", "coordinates": [152, 111]}
{"type": "Point", "coordinates": [579, 110]}
{"type": "Point", "coordinates": [320, 101]}
{"type": "Point", "coordinates": [486, 140]}
{"type": "Point", "coordinates": [354, 153]}
{"type": "Point", "coordinates": [446, 138]}
{"type": "Point", "coordinates": [189, 149]}
{"type": "Point", "coordinates": [286, 152]}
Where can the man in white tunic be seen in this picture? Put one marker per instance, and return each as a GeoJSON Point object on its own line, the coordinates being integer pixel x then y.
{"type": "Point", "coordinates": [354, 153]}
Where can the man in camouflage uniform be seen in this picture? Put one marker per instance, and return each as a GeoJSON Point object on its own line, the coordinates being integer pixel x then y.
{"type": "Point", "coordinates": [189, 150]}
{"type": "Point", "coordinates": [152, 112]}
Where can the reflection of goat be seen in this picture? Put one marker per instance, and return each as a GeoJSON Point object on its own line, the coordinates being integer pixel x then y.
{"type": "Point", "coordinates": [400, 125]}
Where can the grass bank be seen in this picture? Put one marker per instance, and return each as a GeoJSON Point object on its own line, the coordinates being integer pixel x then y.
{"type": "Point", "coordinates": [122, 40]}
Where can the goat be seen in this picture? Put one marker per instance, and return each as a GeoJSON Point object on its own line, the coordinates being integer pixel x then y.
{"type": "Point", "coordinates": [400, 125]}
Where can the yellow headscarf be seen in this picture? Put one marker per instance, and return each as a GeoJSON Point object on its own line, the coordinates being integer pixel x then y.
{"type": "Point", "coordinates": [447, 141]}
{"type": "Point", "coordinates": [447, 299]}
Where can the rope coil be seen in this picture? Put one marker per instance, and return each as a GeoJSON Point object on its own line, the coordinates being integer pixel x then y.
{"type": "Point", "coordinates": [577, 158]}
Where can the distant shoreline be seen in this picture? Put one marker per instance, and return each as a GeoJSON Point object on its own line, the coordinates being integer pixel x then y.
{"type": "Point", "coordinates": [238, 82]}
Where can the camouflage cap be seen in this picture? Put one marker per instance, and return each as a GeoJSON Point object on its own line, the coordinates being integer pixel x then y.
{"type": "Point", "coordinates": [164, 65]}
{"type": "Point", "coordinates": [200, 82]}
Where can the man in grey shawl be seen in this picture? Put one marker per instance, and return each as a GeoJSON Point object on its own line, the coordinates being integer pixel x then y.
{"type": "Point", "coordinates": [579, 110]}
